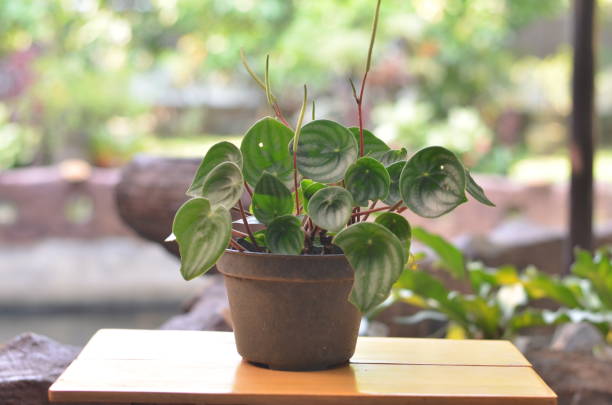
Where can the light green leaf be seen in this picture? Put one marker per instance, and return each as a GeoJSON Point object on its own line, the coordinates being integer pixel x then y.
{"type": "Point", "coordinates": [264, 148]}
{"type": "Point", "coordinates": [367, 179]}
{"type": "Point", "coordinates": [331, 208]}
{"type": "Point", "coordinates": [394, 170]}
{"type": "Point", "coordinates": [433, 182]}
{"type": "Point", "coordinates": [396, 224]}
{"type": "Point", "coordinates": [285, 235]}
{"type": "Point", "coordinates": [309, 188]}
{"type": "Point", "coordinates": [392, 156]}
{"type": "Point", "coordinates": [217, 154]}
{"type": "Point", "coordinates": [325, 150]}
{"type": "Point", "coordinates": [476, 191]}
{"type": "Point", "coordinates": [271, 199]}
{"type": "Point", "coordinates": [202, 233]}
{"type": "Point", "coordinates": [450, 258]}
{"type": "Point", "coordinates": [260, 238]}
{"type": "Point", "coordinates": [223, 185]}
{"type": "Point", "coordinates": [372, 145]}
{"type": "Point", "coordinates": [377, 256]}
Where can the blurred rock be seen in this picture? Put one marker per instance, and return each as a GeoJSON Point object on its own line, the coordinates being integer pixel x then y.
{"type": "Point", "coordinates": [579, 337]}
{"type": "Point", "coordinates": [577, 378]}
{"type": "Point", "coordinates": [29, 364]}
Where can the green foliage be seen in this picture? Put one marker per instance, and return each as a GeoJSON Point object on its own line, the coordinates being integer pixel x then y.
{"type": "Point", "coordinates": [271, 199]}
{"type": "Point", "coordinates": [367, 180]}
{"type": "Point", "coordinates": [330, 208]}
{"type": "Point", "coordinates": [372, 146]}
{"type": "Point", "coordinates": [285, 235]}
{"type": "Point", "coordinates": [218, 153]}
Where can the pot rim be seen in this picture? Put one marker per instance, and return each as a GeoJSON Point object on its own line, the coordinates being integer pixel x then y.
{"type": "Point", "coordinates": [279, 255]}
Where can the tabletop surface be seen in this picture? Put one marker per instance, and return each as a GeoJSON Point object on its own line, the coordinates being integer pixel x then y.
{"type": "Point", "coordinates": [193, 367]}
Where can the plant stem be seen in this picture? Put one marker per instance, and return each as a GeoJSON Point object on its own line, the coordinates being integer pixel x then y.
{"type": "Point", "coordinates": [246, 224]}
{"type": "Point", "coordinates": [386, 207]}
{"type": "Point", "coordinates": [236, 232]}
{"type": "Point", "coordinates": [368, 214]}
{"type": "Point", "coordinates": [236, 245]}
{"type": "Point", "coordinates": [296, 138]}
{"type": "Point", "coordinates": [399, 211]}
{"type": "Point", "coordinates": [395, 206]}
{"type": "Point", "coordinates": [248, 189]}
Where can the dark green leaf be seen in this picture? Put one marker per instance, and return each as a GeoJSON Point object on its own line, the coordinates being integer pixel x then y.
{"type": "Point", "coordinates": [202, 233]}
{"type": "Point", "coordinates": [372, 145]}
{"type": "Point", "coordinates": [264, 148]}
{"type": "Point", "coordinates": [223, 185]}
{"type": "Point", "coordinates": [476, 191]}
{"type": "Point", "coordinates": [450, 258]}
{"type": "Point", "coordinates": [377, 256]}
{"type": "Point", "coordinates": [331, 208]}
{"type": "Point", "coordinates": [367, 179]}
{"type": "Point", "coordinates": [433, 182]}
{"type": "Point", "coordinates": [218, 153]}
{"type": "Point", "coordinates": [396, 224]}
{"type": "Point", "coordinates": [271, 199]}
{"type": "Point", "coordinates": [394, 170]}
{"type": "Point", "coordinates": [325, 150]}
{"type": "Point", "coordinates": [392, 156]}
{"type": "Point", "coordinates": [285, 235]}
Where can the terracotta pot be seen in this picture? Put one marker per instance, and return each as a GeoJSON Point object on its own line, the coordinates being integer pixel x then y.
{"type": "Point", "coordinates": [291, 312]}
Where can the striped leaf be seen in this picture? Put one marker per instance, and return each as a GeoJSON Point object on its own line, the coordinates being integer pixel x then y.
{"type": "Point", "coordinates": [202, 233]}
{"type": "Point", "coordinates": [271, 199]}
{"type": "Point", "coordinates": [325, 150]}
{"type": "Point", "coordinates": [223, 185]}
{"type": "Point", "coordinates": [372, 145]}
{"type": "Point", "coordinates": [394, 170]}
{"type": "Point", "coordinates": [378, 258]}
{"type": "Point", "coordinates": [397, 224]}
{"type": "Point", "coordinates": [285, 235]}
{"type": "Point", "coordinates": [264, 148]}
{"type": "Point", "coordinates": [392, 156]}
{"type": "Point", "coordinates": [476, 191]}
{"type": "Point", "coordinates": [433, 182]}
{"type": "Point", "coordinates": [330, 208]}
{"type": "Point", "coordinates": [217, 154]}
{"type": "Point", "coordinates": [367, 179]}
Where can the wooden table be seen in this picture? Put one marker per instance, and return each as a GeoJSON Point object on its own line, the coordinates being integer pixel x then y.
{"type": "Point", "coordinates": [189, 367]}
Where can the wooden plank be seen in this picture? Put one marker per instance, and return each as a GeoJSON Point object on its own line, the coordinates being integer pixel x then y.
{"type": "Point", "coordinates": [184, 381]}
{"type": "Point", "coordinates": [195, 345]}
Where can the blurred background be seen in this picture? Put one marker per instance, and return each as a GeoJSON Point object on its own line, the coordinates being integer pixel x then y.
{"type": "Point", "coordinates": [85, 85]}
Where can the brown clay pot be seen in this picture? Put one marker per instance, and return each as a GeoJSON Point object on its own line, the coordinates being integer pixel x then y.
{"type": "Point", "coordinates": [291, 312]}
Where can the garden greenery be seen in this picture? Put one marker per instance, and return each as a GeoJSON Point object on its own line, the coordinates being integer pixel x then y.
{"type": "Point", "coordinates": [313, 188]}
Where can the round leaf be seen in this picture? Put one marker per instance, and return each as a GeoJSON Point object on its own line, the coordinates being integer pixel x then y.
{"type": "Point", "coordinates": [372, 145]}
{"type": "Point", "coordinates": [271, 199]}
{"type": "Point", "coordinates": [392, 156]}
{"type": "Point", "coordinates": [217, 154]}
{"type": "Point", "coordinates": [396, 224]}
{"type": "Point", "coordinates": [223, 185]}
{"type": "Point", "coordinates": [325, 150]}
{"type": "Point", "coordinates": [394, 170]}
{"type": "Point", "coordinates": [331, 208]}
{"type": "Point", "coordinates": [433, 182]}
{"type": "Point", "coordinates": [367, 179]}
{"type": "Point", "coordinates": [285, 235]}
{"type": "Point", "coordinates": [202, 233]}
{"type": "Point", "coordinates": [378, 258]}
{"type": "Point", "coordinates": [264, 148]}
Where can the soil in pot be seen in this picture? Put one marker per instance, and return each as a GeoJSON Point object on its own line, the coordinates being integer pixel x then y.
{"type": "Point", "coordinates": [291, 312]}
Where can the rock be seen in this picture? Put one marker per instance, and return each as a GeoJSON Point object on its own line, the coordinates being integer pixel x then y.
{"type": "Point", "coordinates": [29, 364]}
{"type": "Point", "coordinates": [577, 378]}
{"type": "Point", "coordinates": [210, 311]}
{"type": "Point", "coordinates": [576, 337]}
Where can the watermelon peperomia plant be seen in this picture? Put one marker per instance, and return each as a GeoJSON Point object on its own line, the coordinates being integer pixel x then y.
{"type": "Point", "coordinates": [314, 187]}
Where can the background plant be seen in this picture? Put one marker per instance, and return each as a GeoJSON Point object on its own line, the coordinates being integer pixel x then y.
{"type": "Point", "coordinates": [344, 173]}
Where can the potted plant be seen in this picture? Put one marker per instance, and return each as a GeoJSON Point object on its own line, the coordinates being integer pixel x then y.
{"type": "Point", "coordinates": [298, 286]}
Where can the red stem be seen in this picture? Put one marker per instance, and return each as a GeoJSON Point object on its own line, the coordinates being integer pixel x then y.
{"type": "Point", "coordinates": [236, 232]}
{"type": "Point", "coordinates": [248, 189]}
{"type": "Point", "coordinates": [279, 114]}
{"type": "Point", "coordinates": [368, 214]}
{"type": "Point", "coordinates": [356, 214]}
{"type": "Point", "coordinates": [236, 245]}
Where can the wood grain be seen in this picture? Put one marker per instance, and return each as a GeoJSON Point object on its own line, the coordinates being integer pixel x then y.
{"type": "Point", "coordinates": [203, 367]}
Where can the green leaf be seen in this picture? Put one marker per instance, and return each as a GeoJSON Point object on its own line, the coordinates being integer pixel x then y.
{"type": "Point", "coordinates": [325, 150]}
{"type": "Point", "coordinates": [309, 188]}
{"type": "Point", "coordinates": [202, 233]}
{"type": "Point", "coordinates": [372, 145]}
{"type": "Point", "coordinates": [223, 185]}
{"type": "Point", "coordinates": [433, 182]}
{"type": "Point", "coordinates": [331, 208]}
{"type": "Point", "coordinates": [450, 258]}
{"type": "Point", "coordinates": [394, 170]}
{"type": "Point", "coordinates": [393, 156]}
{"type": "Point", "coordinates": [260, 238]}
{"type": "Point", "coordinates": [476, 191]}
{"type": "Point", "coordinates": [367, 179]}
{"type": "Point", "coordinates": [485, 316]}
{"type": "Point", "coordinates": [264, 148]}
{"type": "Point", "coordinates": [596, 268]}
{"type": "Point", "coordinates": [396, 224]}
{"type": "Point", "coordinates": [271, 199]}
{"type": "Point", "coordinates": [285, 235]}
{"type": "Point", "coordinates": [539, 285]}
{"type": "Point", "coordinates": [217, 154]}
{"type": "Point", "coordinates": [377, 256]}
